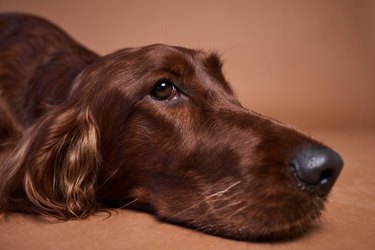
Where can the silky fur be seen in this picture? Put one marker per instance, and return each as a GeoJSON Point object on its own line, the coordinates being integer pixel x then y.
{"type": "Point", "coordinates": [80, 132]}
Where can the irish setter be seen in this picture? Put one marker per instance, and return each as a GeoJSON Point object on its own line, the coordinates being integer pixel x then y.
{"type": "Point", "coordinates": [156, 128]}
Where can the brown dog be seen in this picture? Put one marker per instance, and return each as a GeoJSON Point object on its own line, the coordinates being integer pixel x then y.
{"type": "Point", "coordinates": [158, 127]}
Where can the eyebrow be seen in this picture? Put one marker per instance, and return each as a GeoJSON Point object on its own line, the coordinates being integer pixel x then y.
{"type": "Point", "coordinates": [178, 66]}
{"type": "Point", "coordinates": [213, 65]}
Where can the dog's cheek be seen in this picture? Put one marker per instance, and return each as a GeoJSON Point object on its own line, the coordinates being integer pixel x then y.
{"type": "Point", "coordinates": [172, 197]}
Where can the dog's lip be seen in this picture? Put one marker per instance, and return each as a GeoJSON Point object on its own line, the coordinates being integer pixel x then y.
{"type": "Point", "coordinates": [277, 232]}
{"type": "Point", "coordinates": [282, 230]}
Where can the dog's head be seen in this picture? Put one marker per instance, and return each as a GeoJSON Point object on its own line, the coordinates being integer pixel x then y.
{"type": "Point", "coordinates": [160, 126]}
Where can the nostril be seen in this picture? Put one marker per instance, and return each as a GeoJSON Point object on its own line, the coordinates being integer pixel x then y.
{"type": "Point", "coordinates": [316, 168]}
{"type": "Point", "coordinates": [325, 176]}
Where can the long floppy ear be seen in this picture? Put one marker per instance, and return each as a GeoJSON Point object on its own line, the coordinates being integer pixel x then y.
{"type": "Point", "coordinates": [53, 168]}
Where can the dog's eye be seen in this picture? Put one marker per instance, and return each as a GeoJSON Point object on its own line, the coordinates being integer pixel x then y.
{"type": "Point", "coordinates": [164, 90]}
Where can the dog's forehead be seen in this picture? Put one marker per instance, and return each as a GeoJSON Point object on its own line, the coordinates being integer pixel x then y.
{"type": "Point", "coordinates": [179, 58]}
{"type": "Point", "coordinates": [187, 63]}
{"type": "Point", "coordinates": [134, 70]}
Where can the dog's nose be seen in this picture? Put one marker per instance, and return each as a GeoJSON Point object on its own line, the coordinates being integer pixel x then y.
{"type": "Point", "coordinates": [316, 168]}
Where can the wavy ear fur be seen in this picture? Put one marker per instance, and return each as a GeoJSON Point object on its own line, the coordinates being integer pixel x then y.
{"type": "Point", "coordinates": [53, 168]}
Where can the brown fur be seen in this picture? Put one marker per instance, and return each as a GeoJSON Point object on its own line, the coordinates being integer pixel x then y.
{"type": "Point", "coordinates": [79, 132]}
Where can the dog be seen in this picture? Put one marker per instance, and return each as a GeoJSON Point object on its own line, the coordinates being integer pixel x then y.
{"type": "Point", "coordinates": [155, 128]}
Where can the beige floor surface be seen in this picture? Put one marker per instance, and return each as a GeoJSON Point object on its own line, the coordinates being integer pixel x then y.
{"type": "Point", "coordinates": [348, 223]}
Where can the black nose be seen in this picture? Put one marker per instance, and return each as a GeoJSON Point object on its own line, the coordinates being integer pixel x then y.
{"type": "Point", "coordinates": [316, 168]}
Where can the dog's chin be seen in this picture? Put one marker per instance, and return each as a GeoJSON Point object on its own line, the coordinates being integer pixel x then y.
{"type": "Point", "coordinates": [245, 229]}
{"type": "Point", "coordinates": [266, 234]}
{"type": "Point", "coordinates": [272, 232]}
{"type": "Point", "coordinates": [261, 233]}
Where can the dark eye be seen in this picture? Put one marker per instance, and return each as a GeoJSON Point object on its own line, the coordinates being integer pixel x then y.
{"type": "Point", "coordinates": [164, 90]}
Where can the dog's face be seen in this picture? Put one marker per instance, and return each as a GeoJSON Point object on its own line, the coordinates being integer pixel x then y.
{"type": "Point", "coordinates": [159, 127]}
{"type": "Point", "coordinates": [174, 137]}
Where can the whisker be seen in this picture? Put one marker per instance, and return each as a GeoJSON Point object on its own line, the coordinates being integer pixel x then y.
{"type": "Point", "coordinates": [187, 209]}
{"type": "Point", "coordinates": [229, 205]}
{"type": "Point", "coordinates": [237, 211]}
{"type": "Point", "coordinates": [220, 193]}
{"type": "Point", "coordinates": [129, 203]}
{"type": "Point", "coordinates": [206, 198]}
{"type": "Point", "coordinates": [109, 177]}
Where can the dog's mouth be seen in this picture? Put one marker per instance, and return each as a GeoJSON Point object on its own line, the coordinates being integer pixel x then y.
{"type": "Point", "coordinates": [227, 214]}
{"type": "Point", "coordinates": [257, 225]}
{"type": "Point", "coordinates": [275, 201]}
{"type": "Point", "coordinates": [248, 229]}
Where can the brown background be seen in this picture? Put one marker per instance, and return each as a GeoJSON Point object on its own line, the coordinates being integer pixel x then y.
{"type": "Point", "coordinates": [308, 63]}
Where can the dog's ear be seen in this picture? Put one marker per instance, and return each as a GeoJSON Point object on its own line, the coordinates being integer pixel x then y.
{"type": "Point", "coordinates": [53, 168]}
